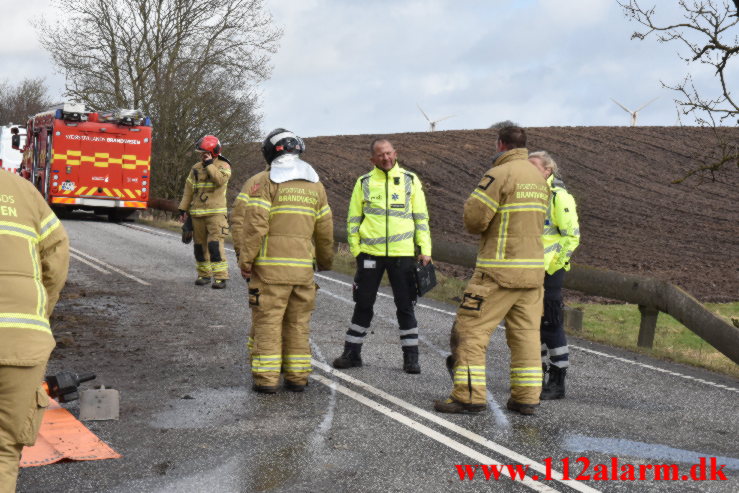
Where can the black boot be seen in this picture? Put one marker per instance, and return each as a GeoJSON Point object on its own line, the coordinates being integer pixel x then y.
{"type": "Point", "coordinates": [555, 387]}
{"type": "Point", "coordinates": [410, 362]}
{"type": "Point", "coordinates": [350, 358]}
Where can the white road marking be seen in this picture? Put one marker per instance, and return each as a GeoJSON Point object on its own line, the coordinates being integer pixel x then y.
{"type": "Point", "coordinates": [661, 370]}
{"type": "Point", "coordinates": [500, 417]}
{"type": "Point", "coordinates": [452, 314]}
{"type": "Point", "coordinates": [114, 269]}
{"type": "Point", "coordinates": [496, 447]}
{"type": "Point", "coordinates": [433, 434]}
{"type": "Point", "coordinates": [89, 263]}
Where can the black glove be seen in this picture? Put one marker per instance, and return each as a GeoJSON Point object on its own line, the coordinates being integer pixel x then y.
{"type": "Point", "coordinates": [207, 162]}
{"type": "Point", "coordinates": [182, 214]}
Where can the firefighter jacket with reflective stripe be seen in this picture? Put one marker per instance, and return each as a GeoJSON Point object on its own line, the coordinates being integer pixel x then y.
{"type": "Point", "coordinates": [238, 213]}
{"type": "Point", "coordinates": [561, 228]}
{"type": "Point", "coordinates": [287, 231]}
{"type": "Point", "coordinates": [507, 209]}
{"type": "Point", "coordinates": [205, 189]}
{"type": "Point", "coordinates": [33, 269]}
{"type": "Point", "coordinates": [387, 214]}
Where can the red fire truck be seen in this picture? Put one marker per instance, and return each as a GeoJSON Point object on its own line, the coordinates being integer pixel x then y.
{"type": "Point", "coordinates": [97, 161]}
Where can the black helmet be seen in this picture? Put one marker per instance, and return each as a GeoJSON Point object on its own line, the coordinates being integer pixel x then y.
{"type": "Point", "coordinates": [280, 141]}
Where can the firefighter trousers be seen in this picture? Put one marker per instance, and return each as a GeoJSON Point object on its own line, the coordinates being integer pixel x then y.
{"type": "Point", "coordinates": [208, 235]}
{"type": "Point", "coordinates": [280, 315]}
{"type": "Point", "coordinates": [370, 270]}
{"type": "Point", "coordinates": [553, 340]}
{"type": "Point", "coordinates": [484, 304]}
{"type": "Point", "coordinates": [22, 405]}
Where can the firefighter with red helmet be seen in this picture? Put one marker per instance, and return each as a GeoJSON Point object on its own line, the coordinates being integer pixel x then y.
{"type": "Point", "coordinates": [286, 233]}
{"type": "Point", "coordinates": [204, 199]}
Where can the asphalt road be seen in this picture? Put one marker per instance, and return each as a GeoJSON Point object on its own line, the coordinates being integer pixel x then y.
{"type": "Point", "coordinates": [190, 422]}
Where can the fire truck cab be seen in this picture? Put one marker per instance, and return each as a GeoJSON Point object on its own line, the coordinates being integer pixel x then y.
{"type": "Point", "coordinates": [97, 161]}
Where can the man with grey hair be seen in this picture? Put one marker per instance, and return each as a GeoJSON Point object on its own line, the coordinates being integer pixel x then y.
{"type": "Point", "coordinates": [561, 238]}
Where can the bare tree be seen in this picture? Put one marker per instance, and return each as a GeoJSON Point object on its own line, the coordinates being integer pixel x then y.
{"type": "Point", "coordinates": [18, 102]}
{"type": "Point", "coordinates": [709, 35]}
{"type": "Point", "coordinates": [192, 65]}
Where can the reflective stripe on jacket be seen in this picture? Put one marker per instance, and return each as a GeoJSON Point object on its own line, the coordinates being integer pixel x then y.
{"type": "Point", "coordinates": [33, 269]}
{"type": "Point", "coordinates": [388, 215]}
{"type": "Point", "coordinates": [287, 230]}
{"type": "Point", "coordinates": [205, 189]}
{"type": "Point", "coordinates": [507, 209]}
{"type": "Point", "coordinates": [561, 228]}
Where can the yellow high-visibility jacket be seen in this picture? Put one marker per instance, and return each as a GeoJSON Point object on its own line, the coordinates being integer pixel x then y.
{"type": "Point", "coordinates": [287, 231]}
{"type": "Point", "coordinates": [507, 209]}
{"type": "Point", "coordinates": [205, 189]}
{"type": "Point", "coordinates": [33, 269]}
{"type": "Point", "coordinates": [561, 228]}
{"type": "Point", "coordinates": [388, 215]}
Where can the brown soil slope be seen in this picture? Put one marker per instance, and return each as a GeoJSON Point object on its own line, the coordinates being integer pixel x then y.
{"type": "Point", "coordinates": [632, 218]}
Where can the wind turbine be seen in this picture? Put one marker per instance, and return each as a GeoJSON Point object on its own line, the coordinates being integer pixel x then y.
{"type": "Point", "coordinates": [432, 124]}
{"type": "Point", "coordinates": [634, 113]}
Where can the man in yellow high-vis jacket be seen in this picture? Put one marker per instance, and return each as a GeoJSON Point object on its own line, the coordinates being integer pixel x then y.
{"type": "Point", "coordinates": [33, 269]}
{"type": "Point", "coordinates": [507, 210]}
{"type": "Point", "coordinates": [386, 223]}
{"type": "Point", "coordinates": [561, 237]}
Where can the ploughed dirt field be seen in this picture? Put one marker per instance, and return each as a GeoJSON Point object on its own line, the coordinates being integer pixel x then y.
{"type": "Point", "coordinates": [632, 218]}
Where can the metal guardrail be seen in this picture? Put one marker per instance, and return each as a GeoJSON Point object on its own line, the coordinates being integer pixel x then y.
{"type": "Point", "coordinates": [651, 295]}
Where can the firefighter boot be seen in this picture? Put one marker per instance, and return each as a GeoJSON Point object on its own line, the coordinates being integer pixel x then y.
{"type": "Point", "coordinates": [452, 406]}
{"type": "Point", "coordinates": [350, 358]}
{"type": "Point", "coordinates": [218, 284]}
{"type": "Point", "coordinates": [410, 361]}
{"type": "Point", "coordinates": [202, 281]}
{"type": "Point", "coordinates": [555, 387]}
{"type": "Point", "coordinates": [525, 409]}
{"type": "Point", "coordinates": [264, 389]}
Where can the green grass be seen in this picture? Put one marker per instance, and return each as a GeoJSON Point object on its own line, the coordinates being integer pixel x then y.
{"type": "Point", "coordinates": [614, 325]}
{"type": "Point", "coordinates": [618, 325]}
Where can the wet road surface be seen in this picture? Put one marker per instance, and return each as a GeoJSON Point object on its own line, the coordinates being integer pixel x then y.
{"type": "Point", "coordinates": [189, 421]}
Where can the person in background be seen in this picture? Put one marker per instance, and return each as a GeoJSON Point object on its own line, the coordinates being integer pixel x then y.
{"type": "Point", "coordinates": [561, 238]}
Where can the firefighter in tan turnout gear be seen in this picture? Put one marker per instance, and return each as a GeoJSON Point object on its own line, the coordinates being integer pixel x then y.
{"type": "Point", "coordinates": [204, 199]}
{"type": "Point", "coordinates": [33, 269]}
{"type": "Point", "coordinates": [507, 209]}
{"type": "Point", "coordinates": [287, 232]}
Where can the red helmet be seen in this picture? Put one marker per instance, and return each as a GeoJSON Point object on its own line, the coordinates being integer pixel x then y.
{"type": "Point", "coordinates": [209, 143]}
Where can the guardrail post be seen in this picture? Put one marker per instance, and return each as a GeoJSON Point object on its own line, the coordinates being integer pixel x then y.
{"type": "Point", "coordinates": [573, 319]}
{"type": "Point", "coordinates": [648, 326]}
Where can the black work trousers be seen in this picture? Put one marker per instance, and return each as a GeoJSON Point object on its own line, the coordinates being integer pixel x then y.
{"type": "Point", "coordinates": [553, 340]}
{"type": "Point", "coordinates": [400, 271]}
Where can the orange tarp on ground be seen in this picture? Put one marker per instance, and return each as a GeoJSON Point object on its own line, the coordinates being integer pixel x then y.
{"type": "Point", "coordinates": [62, 436]}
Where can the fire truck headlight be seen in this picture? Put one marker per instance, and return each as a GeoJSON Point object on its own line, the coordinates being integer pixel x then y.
{"type": "Point", "coordinates": [56, 177]}
{"type": "Point", "coordinates": [143, 189]}
{"type": "Point", "coordinates": [143, 182]}
{"type": "Point", "coordinates": [55, 183]}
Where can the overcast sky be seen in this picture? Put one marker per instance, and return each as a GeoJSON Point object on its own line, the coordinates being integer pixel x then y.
{"type": "Point", "coordinates": [351, 67]}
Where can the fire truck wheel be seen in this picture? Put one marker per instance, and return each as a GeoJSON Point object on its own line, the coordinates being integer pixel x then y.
{"type": "Point", "coordinates": [62, 212]}
{"type": "Point", "coordinates": [120, 215]}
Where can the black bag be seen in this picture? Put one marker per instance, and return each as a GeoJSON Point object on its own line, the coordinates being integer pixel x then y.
{"type": "Point", "coordinates": [425, 278]}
